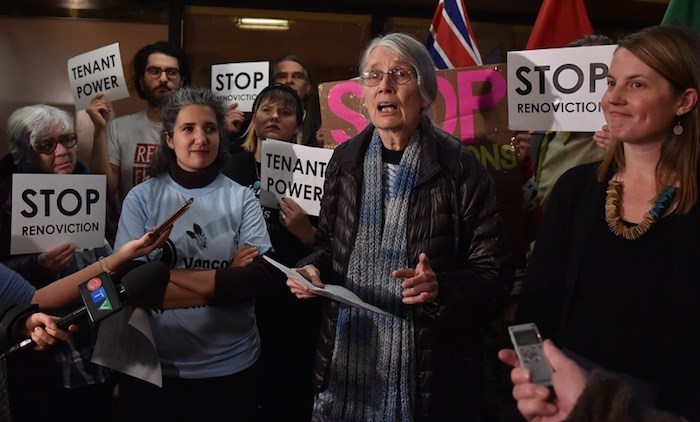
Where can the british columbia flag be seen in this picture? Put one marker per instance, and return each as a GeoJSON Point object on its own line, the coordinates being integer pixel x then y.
{"type": "Point", "coordinates": [451, 41]}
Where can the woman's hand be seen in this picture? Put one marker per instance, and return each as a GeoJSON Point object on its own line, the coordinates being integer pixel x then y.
{"type": "Point", "coordinates": [234, 118]}
{"type": "Point", "coordinates": [602, 138]}
{"type": "Point", "coordinates": [298, 289]}
{"type": "Point", "coordinates": [520, 141]}
{"type": "Point", "coordinates": [57, 258]}
{"type": "Point", "coordinates": [244, 256]}
{"type": "Point", "coordinates": [136, 248]}
{"type": "Point", "coordinates": [541, 404]}
{"type": "Point", "coordinates": [43, 331]}
{"type": "Point", "coordinates": [295, 220]}
{"type": "Point", "coordinates": [420, 284]}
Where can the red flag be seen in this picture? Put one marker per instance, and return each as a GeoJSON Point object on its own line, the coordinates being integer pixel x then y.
{"type": "Point", "coordinates": [558, 23]}
{"type": "Point", "coordinates": [451, 41]}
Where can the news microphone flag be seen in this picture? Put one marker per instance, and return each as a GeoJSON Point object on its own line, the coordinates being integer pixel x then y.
{"type": "Point", "coordinates": [451, 40]}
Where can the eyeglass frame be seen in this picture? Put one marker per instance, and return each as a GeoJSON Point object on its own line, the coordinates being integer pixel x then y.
{"type": "Point", "coordinates": [391, 74]}
{"type": "Point", "coordinates": [68, 141]}
{"type": "Point", "coordinates": [160, 70]}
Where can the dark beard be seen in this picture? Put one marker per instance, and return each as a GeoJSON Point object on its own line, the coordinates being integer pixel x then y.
{"type": "Point", "coordinates": [153, 99]}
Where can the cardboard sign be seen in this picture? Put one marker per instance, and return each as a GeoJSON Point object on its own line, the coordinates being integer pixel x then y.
{"type": "Point", "coordinates": [293, 171]}
{"type": "Point", "coordinates": [240, 82]}
{"type": "Point", "coordinates": [97, 71]}
{"type": "Point", "coordinates": [558, 88]}
{"type": "Point", "coordinates": [48, 210]}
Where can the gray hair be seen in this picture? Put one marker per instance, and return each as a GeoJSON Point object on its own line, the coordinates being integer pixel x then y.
{"type": "Point", "coordinates": [289, 58]}
{"type": "Point", "coordinates": [29, 124]}
{"type": "Point", "coordinates": [412, 51]}
{"type": "Point", "coordinates": [591, 40]}
{"type": "Point", "coordinates": [169, 109]}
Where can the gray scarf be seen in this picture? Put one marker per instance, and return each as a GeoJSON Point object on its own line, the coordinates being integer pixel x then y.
{"type": "Point", "coordinates": [372, 375]}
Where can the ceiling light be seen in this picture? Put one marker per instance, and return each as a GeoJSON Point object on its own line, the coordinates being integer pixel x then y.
{"type": "Point", "coordinates": [263, 24]}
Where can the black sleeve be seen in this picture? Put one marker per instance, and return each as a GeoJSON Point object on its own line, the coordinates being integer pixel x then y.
{"type": "Point", "coordinates": [241, 284]}
{"type": "Point", "coordinates": [607, 398]}
{"type": "Point", "coordinates": [12, 317]}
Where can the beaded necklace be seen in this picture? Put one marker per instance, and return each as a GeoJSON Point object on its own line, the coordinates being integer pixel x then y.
{"type": "Point", "coordinates": [613, 200]}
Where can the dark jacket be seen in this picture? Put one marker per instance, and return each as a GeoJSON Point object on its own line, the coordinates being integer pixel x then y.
{"type": "Point", "coordinates": [12, 318]}
{"type": "Point", "coordinates": [607, 398]}
{"type": "Point", "coordinates": [453, 218]}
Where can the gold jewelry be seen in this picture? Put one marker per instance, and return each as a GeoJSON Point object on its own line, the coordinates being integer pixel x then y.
{"type": "Point", "coordinates": [104, 266]}
{"type": "Point", "coordinates": [613, 199]}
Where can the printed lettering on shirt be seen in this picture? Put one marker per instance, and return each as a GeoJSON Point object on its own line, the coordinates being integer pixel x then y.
{"type": "Point", "coordinates": [139, 174]}
{"type": "Point", "coordinates": [143, 153]}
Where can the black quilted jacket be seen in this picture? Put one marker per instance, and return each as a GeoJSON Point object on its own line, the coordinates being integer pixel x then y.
{"type": "Point", "coordinates": [453, 218]}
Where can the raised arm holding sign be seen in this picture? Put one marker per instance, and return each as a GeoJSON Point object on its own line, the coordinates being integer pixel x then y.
{"type": "Point", "coordinates": [97, 72]}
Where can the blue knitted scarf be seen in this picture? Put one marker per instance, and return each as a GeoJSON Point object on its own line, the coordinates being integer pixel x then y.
{"type": "Point", "coordinates": [372, 375]}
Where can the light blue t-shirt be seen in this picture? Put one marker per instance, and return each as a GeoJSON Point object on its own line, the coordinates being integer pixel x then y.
{"type": "Point", "coordinates": [204, 341]}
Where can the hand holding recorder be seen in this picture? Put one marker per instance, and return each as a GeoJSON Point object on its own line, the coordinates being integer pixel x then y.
{"type": "Point", "coordinates": [537, 401]}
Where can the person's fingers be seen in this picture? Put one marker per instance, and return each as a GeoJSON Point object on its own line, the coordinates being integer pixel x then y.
{"type": "Point", "coordinates": [403, 273]}
{"type": "Point", "coordinates": [534, 409]}
{"type": "Point", "coordinates": [555, 357]}
{"type": "Point", "coordinates": [311, 273]}
{"type": "Point", "coordinates": [508, 357]}
{"type": "Point", "coordinates": [423, 263]}
{"type": "Point", "coordinates": [520, 375]}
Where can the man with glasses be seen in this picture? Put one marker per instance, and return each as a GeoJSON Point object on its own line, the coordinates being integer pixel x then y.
{"type": "Point", "coordinates": [123, 149]}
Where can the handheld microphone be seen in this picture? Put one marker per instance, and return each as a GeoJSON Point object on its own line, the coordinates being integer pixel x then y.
{"type": "Point", "coordinates": [101, 299]}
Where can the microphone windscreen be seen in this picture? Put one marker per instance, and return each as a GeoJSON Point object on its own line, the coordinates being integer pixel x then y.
{"type": "Point", "coordinates": [145, 280]}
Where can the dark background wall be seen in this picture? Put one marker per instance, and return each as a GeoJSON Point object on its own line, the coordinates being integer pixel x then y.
{"type": "Point", "coordinates": [38, 36]}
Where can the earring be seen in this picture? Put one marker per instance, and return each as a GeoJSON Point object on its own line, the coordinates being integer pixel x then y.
{"type": "Point", "coordinates": [678, 128]}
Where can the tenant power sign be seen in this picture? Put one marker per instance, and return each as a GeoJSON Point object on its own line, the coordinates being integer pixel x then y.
{"type": "Point", "coordinates": [293, 171]}
{"type": "Point", "coordinates": [558, 88]}
{"type": "Point", "coordinates": [48, 210]}
{"type": "Point", "coordinates": [97, 72]}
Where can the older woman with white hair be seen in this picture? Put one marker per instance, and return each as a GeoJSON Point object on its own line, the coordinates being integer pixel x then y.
{"type": "Point", "coordinates": [408, 222]}
{"type": "Point", "coordinates": [42, 139]}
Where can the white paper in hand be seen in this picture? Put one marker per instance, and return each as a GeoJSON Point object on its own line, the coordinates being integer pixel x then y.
{"type": "Point", "coordinates": [331, 291]}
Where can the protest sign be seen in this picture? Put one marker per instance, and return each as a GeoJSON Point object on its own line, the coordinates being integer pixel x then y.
{"type": "Point", "coordinates": [48, 210]}
{"type": "Point", "coordinates": [97, 71]}
{"type": "Point", "coordinates": [293, 171]}
{"type": "Point", "coordinates": [240, 82]}
{"type": "Point", "coordinates": [558, 88]}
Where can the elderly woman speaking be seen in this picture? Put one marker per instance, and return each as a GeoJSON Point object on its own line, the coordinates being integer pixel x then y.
{"type": "Point", "coordinates": [408, 222]}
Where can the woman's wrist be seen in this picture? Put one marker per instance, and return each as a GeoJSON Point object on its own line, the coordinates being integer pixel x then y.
{"type": "Point", "coordinates": [105, 266]}
{"type": "Point", "coordinates": [116, 260]}
{"type": "Point", "coordinates": [310, 237]}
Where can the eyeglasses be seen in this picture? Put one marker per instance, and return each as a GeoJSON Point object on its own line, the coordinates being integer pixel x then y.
{"type": "Point", "coordinates": [48, 145]}
{"type": "Point", "coordinates": [170, 72]}
{"type": "Point", "coordinates": [397, 76]}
